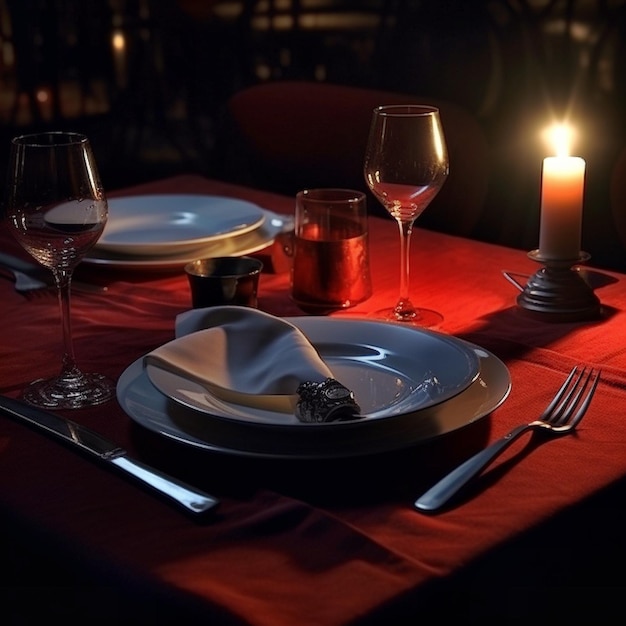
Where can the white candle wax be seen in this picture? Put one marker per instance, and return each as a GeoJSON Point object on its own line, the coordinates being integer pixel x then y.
{"type": "Point", "coordinates": [562, 189]}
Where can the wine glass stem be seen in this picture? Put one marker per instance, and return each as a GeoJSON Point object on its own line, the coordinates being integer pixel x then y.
{"type": "Point", "coordinates": [63, 279]}
{"type": "Point", "coordinates": [404, 306]}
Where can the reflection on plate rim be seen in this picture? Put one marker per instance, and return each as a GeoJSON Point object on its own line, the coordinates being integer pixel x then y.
{"type": "Point", "coordinates": [266, 233]}
{"type": "Point", "coordinates": [169, 247]}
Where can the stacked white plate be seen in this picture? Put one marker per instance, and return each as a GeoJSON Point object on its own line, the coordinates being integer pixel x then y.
{"type": "Point", "coordinates": [412, 385]}
{"type": "Point", "coordinates": [161, 231]}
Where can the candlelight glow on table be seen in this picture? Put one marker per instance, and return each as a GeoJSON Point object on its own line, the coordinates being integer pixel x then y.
{"type": "Point", "coordinates": [557, 292]}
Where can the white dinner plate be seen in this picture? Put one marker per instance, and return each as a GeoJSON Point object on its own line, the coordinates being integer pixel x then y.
{"type": "Point", "coordinates": [148, 407]}
{"type": "Point", "coordinates": [238, 245]}
{"type": "Point", "coordinates": [164, 224]}
{"type": "Point", "coordinates": [391, 368]}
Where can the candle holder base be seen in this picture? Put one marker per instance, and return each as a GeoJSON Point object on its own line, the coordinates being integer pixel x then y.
{"type": "Point", "coordinates": [557, 292]}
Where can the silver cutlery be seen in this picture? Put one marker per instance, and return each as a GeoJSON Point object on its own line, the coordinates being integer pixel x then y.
{"type": "Point", "coordinates": [31, 277]}
{"type": "Point", "coordinates": [560, 417]}
{"type": "Point", "coordinates": [192, 500]}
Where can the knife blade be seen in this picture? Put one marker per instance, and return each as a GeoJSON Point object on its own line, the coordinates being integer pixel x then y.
{"type": "Point", "coordinates": [96, 446]}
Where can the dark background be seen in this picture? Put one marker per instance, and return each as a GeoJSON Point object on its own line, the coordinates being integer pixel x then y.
{"type": "Point", "coordinates": [155, 108]}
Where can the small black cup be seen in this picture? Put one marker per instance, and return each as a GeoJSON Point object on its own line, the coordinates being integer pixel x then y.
{"type": "Point", "coordinates": [224, 281]}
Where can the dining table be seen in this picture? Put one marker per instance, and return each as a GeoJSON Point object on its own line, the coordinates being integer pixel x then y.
{"type": "Point", "coordinates": [319, 540]}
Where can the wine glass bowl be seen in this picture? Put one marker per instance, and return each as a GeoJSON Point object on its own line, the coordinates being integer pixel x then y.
{"type": "Point", "coordinates": [56, 209]}
{"type": "Point", "coordinates": [56, 238]}
{"type": "Point", "coordinates": [405, 166]}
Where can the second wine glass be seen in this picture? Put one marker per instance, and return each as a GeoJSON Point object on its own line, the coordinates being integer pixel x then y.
{"type": "Point", "coordinates": [406, 164]}
{"type": "Point", "coordinates": [56, 209]}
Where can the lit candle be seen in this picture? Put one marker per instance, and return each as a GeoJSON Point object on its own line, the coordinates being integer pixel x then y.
{"type": "Point", "coordinates": [562, 189]}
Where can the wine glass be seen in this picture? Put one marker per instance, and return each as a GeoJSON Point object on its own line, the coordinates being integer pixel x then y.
{"type": "Point", "coordinates": [406, 163]}
{"type": "Point", "coordinates": [56, 209]}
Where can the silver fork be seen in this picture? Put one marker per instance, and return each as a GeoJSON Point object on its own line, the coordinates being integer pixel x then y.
{"type": "Point", "coordinates": [560, 417]}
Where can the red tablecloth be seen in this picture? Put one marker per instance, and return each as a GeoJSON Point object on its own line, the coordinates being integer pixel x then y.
{"type": "Point", "coordinates": [313, 542]}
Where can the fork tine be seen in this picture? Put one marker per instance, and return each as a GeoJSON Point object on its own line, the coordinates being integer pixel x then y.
{"type": "Point", "coordinates": [587, 401]}
{"type": "Point", "coordinates": [559, 395]}
{"type": "Point", "coordinates": [568, 403]}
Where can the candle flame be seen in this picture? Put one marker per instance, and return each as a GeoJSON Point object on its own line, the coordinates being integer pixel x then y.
{"type": "Point", "coordinates": [560, 137]}
{"type": "Point", "coordinates": [118, 41]}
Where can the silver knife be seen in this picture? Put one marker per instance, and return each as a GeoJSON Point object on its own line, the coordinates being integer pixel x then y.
{"type": "Point", "coordinates": [191, 499]}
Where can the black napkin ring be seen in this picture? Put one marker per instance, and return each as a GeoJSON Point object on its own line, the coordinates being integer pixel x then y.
{"type": "Point", "coordinates": [328, 401]}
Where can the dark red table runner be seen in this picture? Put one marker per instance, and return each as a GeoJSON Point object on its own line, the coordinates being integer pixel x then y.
{"type": "Point", "coordinates": [307, 542]}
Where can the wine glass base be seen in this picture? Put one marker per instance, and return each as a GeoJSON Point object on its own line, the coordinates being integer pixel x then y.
{"type": "Point", "coordinates": [76, 392]}
{"type": "Point", "coordinates": [423, 318]}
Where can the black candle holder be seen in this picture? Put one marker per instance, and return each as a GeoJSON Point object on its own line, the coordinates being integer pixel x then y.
{"type": "Point", "coordinates": [557, 292]}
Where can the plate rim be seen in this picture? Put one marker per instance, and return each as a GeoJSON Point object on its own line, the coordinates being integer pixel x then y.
{"type": "Point", "coordinates": [141, 248]}
{"type": "Point", "coordinates": [497, 389]}
{"type": "Point", "coordinates": [267, 233]}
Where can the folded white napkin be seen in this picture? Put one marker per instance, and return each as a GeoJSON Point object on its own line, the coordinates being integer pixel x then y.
{"type": "Point", "coordinates": [242, 355]}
